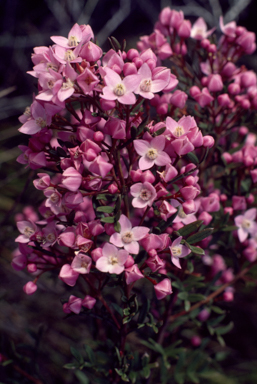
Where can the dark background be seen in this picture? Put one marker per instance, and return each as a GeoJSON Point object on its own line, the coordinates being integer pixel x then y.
{"type": "Point", "coordinates": [25, 319]}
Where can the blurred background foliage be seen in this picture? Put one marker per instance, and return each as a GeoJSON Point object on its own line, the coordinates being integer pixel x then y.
{"type": "Point", "coordinates": [34, 337]}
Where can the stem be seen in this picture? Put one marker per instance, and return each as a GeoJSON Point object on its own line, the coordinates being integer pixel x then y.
{"type": "Point", "coordinates": [214, 294]}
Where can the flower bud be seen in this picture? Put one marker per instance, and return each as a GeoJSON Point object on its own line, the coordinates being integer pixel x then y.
{"type": "Point", "coordinates": [30, 288]}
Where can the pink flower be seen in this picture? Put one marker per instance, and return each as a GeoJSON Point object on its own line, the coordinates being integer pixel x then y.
{"type": "Point", "coordinates": [128, 236]}
{"type": "Point", "coordinates": [152, 153]}
{"type": "Point", "coordinates": [228, 29]}
{"type": "Point", "coordinates": [68, 275]}
{"type": "Point", "coordinates": [113, 260]}
{"type": "Point", "coordinates": [74, 305]}
{"type": "Point", "coordinates": [118, 89]}
{"type": "Point", "coordinates": [27, 230]}
{"type": "Point", "coordinates": [177, 251]}
{"type": "Point", "coordinates": [75, 36]}
{"type": "Point", "coordinates": [246, 224]}
{"type": "Point", "coordinates": [87, 81]}
{"type": "Point", "coordinates": [148, 86]}
{"type": "Point", "coordinates": [133, 274]}
{"type": "Point", "coordinates": [199, 30]}
{"type": "Point", "coordinates": [81, 263]}
{"type": "Point", "coordinates": [144, 194]}
{"type": "Point", "coordinates": [30, 288]}
{"type": "Point", "coordinates": [88, 302]}
{"type": "Point", "coordinates": [163, 288]}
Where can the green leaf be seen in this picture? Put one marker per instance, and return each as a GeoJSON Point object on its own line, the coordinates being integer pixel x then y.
{"type": "Point", "coordinates": [221, 340]}
{"type": "Point", "coordinates": [196, 250]}
{"type": "Point", "coordinates": [224, 329]}
{"type": "Point", "coordinates": [229, 228]}
{"type": "Point", "coordinates": [146, 372]}
{"type": "Point", "coordinates": [77, 355]}
{"type": "Point", "coordinates": [165, 224]}
{"type": "Point", "coordinates": [187, 305]}
{"type": "Point", "coordinates": [6, 362]}
{"type": "Point", "coordinates": [83, 379]}
{"type": "Point", "coordinates": [71, 366]}
{"type": "Point", "coordinates": [117, 308]}
{"type": "Point", "coordinates": [199, 236]}
{"type": "Point", "coordinates": [109, 219]}
{"type": "Point", "coordinates": [217, 310]}
{"type": "Point", "coordinates": [133, 376]}
{"type": "Point", "coordinates": [105, 209]}
{"type": "Point", "coordinates": [189, 228]}
{"type": "Point", "coordinates": [117, 226]}
{"type": "Point", "coordinates": [90, 354]}
{"type": "Point", "coordinates": [190, 266]}
{"type": "Point", "coordinates": [183, 295]}
{"type": "Point", "coordinates": [160, 131]}
{"type": "Point", "coordinates": [193, 297]}
{"type": "Point", "coordinates": [192, 158]}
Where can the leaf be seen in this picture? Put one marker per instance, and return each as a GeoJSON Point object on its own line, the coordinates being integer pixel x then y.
{"type": "Point", "coordinates": [199, 236]}
{"type": "Point", "coordinates": [183, 295]}
{"type": "Point", "coordinates": [229, 228]}
{"type": "Point", "coordinates": [224, 329]}
{"type": "Point", "coordinates": [117, 308]}
{"type": "Point", "coordinates": [105, 209]}
{"type": "Point", "coordinates": [190, 266]}
{"type": "Point", "coordinates": [159, 132]}
{"type": "Point", "coordinates": [217, 310]}
{"type": "Point", "coordinates": [146, 372]}
{"type": "Point", "coordinates": [90, 353]}
{"type": "Point", "coordinates": [193, 297]}
{"type": "Point", "coordinates": [71, 366]}
{"type": "Point", "coordinates": [192, 158]}
{"type": "Point", "coordinates": [77, 355]}
{"type": "Point", "coordinates": [165, 224]}
{"type": "Point", "coordinates": [6, 362]}
{"type": "Point", "coordinates": [196, 250]}
{"type": "Point", "coordinates": [117, 226]}
{"type": "Point", "coordinates": [83, 379]}
{"type": "Point", "coordinates": [109, 219]}
{"type": "Point", "coordinates": [187, 305]}
{"type": "Point", "coordinates": [189, 228]}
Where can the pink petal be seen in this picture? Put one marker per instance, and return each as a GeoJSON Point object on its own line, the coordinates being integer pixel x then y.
{"type": "Point", "coordinates": [102, 264]}
{"type": "Point", "coordinates": [132, 247]}
{"type": "Point", "coordinates": [175, 261]}
{"type": "Point", "coordinates": [131, 82]}
{"type": "Point", "coordinates": [140, 232]}
{"type": "Point", "coordinates": [135, 189]}
{"type": "Point", "coordinates": [250, 214]}
{"type": "Point", "coordinates": [125, 223]}
{"type": "Point", "coordinates": [145, 163]}
{"type": "Point", "coordinates": [141, 146]}
{"type": "Point", "coordinates": [157, 85]}
{"type": "Point", "coordinates": [162, 159]}
{"type": "Point", "coordinates": [30, 127]}
{"type": "Point", "coordinates": [145, 71]}
{"type": "Point", "coordinates": [109, 250]}
{"type": "Point", "coordinates": [127, 99]}
{"type": "Point", "coordinates": [242, 234]}
{"type": "Point", "coordinates": [112, 79]}
{"type": "Point", "coordinates": [116, 239]}
{"type": "Point", "coordinates": [158, 143]}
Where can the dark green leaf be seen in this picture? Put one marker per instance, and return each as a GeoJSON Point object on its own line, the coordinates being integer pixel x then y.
{"type": "Point", "coordinates": [117, 226]}
{"type": "Point", "coordinates": [160, 131]}
{"type": "Point", "coordinates": [199, 236]}
{"type": "Point", "coordinates": [192, 158]}
{"type": "Point", "coordinates": [83, 379]}
{"type": "Point", "coordinates": [143, 311]}
{"type": "Point", "coordinates": [193, 297]}
{"type": "Point", "coordinates": [105, 209]}
{"type": "Point", "coordinates": [225, 329]}
{"type": "Point", "coordinates": [196, 250]}
{"type": "Point", "coordinates": [109, 219]}
{"type": "Point", "coordinates": [229, 228]}
{"type": "Point", "coordinates": [189, 228]}
{"type": "Point", "coordinates": [90, 353]}
{"type": "Point", "coordinates": [187, 305]}
{"type": "Point", "coordinates": [77, 355]}
{"type": "Point", "coordinates": [146, 372]}
{"type": "Point", "coordinates": [183, 295]}
{"type": "Point", "coordinates": [71, 366]}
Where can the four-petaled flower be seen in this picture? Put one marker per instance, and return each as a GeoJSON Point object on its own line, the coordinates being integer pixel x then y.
{"type": "Point", "coordinates": [128, 236]}
{"type": "Point", "coordinates": [245, 224]}
{"type": "Point", "coordinates": [152, 153]}
{"type": "Point", "coordinates": [178, 251]}
{"type": "Point", "coordinates": [113, 260]}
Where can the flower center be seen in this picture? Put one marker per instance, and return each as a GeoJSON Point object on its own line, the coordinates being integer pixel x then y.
{"type": "Point", "coordinates": [50, 84]}
{"type": "Point", "coordinates": [181, 213]}
{"type": "Point", "coordinates": [145, 86]}
{"type": "Point", "coordinates": [145, 194]}
{"type": "Point", "coordinates": [127, 237]}
{"type": "Point", "coordinates": [152, 153]}
{"type": "Point", "coordinates": [50, 237]}
{"type": "Point", "coordinates": [27, 111]}
{"type": "Point", "coordinates": [113, 260]}
{"type": "Point", "coordinates": [54, 197]}
{"type": "Point", "coordinates": [73, 41]}
{"type": "Point", "coordinates": [41, 122]}
{"type": "Point", "coordinates": [179, 131]}
{"type": "Point", "coordinates": [176, 251]}
{"type": "Point", "coordinates": [69, 55]}
{"type": "Point", "coordinates": [28, 231]}
{"type": "Point", "coordinates": [67, 84]}
{"type": "Point", "coordinates": [119, 90]}
{"type": "Point", "coordinates": [246, 224]}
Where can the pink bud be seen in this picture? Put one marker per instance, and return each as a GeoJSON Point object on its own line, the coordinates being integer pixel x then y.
{"type": "Point", "coordinates": [91, 52]}
{"type": "Point", "coordinates": [88, 302]}
{"type": "Point", "coordinates": [224, 100]}
{"type": "Point", "coordinates": [163, 289]}
{"type": "Point", "coordinates": [206, 217]}
{"type": "Point", "coordinates": [68, 275]}
{"type": "Point", "coordinates": [98, 135]}
{"type": "Point", "coordinates": [184, 29]}
{"type": "Point", "coordinates": [245, 104]}
{"type": "Point", "coordinates": [162, 109]}
{"type": "Point", "coordinates": [228, 70]}
{"type": "Point", "coordinates": [228, 210]}
{"type": "Point", "coordinates": [133, 274]}
{"type": "Point", "coordinates": [147, 176]}
{"type": "Point", "coordinates": [138, 62]}
{"type": "Point", "coordinates": [32, 268]}
{"type": "Point", "coordinates": [113, 189]}
{"type": "Point", "coordinates": [129, 69]}
{"type": "Point", "coordinates": [189, 207]}
{"type": "Point", "coordinates": [215, 83]}
{"type": "Point", "coordinates": [212, 48]}
{"type": "Point", "coordinates": [196, 341]}
{"type": "Point", "coordinates": [30, 288]}
{"type": "Point", "coordinates": [194, 91]}
{"type": "Point", "coordinates": [228, 296]}
{"type": "Point", "coordinates": [254, 175]}
{"type": "Point", "coordinates": [250, 253]}
{"type": "Point", "coordinates": [227, 157]}
{"type": "Point", "coordinates": [96, 254]}
{"type": "Point", "coordinates": [239, 202]}
{"type": "Point", "coordinates": [107, 104]}
{"type": "Point", "coordinates": [136, 175]}
{"type": "Point", "coordinates": [204, 314]}
{"type": "Point", "coordinates": [178, 99]}
{"type": "Point", "coordinates": [132, 53]}
{"type": "Point", "coordinates": [165, 16]}
{"type": "Point", "coordinates": [129, 262]}
{"type": "Point", "coordinates": [205, 43]}
{"type": "Point", "coordinates": [234, 88]}
{"type": "Point", "coordinates": [208, 141]}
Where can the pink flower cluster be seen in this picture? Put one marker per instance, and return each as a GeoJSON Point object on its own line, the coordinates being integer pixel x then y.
{"type": "Point", "coordinates": [121, 152]}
